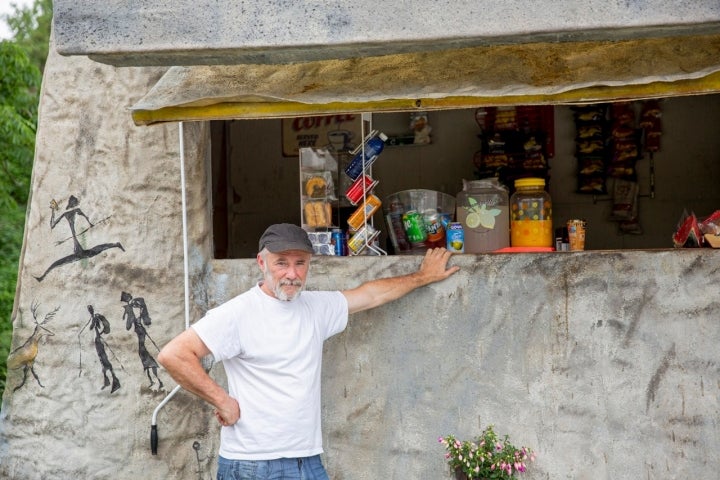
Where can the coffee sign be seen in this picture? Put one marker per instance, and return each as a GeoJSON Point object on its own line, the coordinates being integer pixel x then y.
{"type": "Point", "coordinates": [337, 133]}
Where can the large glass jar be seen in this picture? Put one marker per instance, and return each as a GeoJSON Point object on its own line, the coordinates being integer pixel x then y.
{"type": "Point", "coordinates": [482, 209]}
{"type": "Point", "coordinates": [531, 214]}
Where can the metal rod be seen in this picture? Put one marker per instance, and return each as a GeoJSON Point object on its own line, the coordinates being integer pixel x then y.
{"type": "Point", "coordinates": [153, 425]}
{"type": "Point", "coordinates": [652, 175]}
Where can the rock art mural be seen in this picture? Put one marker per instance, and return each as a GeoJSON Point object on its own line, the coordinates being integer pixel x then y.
{"type": "Point", "coordinates": [72, 211]}
{"type": "Point", "coordinates": [203, 464]}
{"type": "Point", "coordinates": [100, 326]}
{"type": "Point", "coordinates": [24, 356]}
{"type": "Point", "coordinates": [136, 315]}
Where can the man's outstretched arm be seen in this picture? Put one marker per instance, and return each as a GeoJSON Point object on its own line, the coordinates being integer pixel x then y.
{"type": "Point", "coordinates": [181, 357]}
{"type": "Point", "coordinates": [378, 292]}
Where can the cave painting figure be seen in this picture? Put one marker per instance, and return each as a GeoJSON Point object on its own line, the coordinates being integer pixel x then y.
{"type": "Point", "coordinates": [139, 321]}
{"type": "Point", "coordinates": [101, 326]}
{"type": "Point", "coordinates": [196, 447]}
{"type": "Point", "coordinates": [79, 253]}
{"type": "Point", "coordinates": [25, 355]}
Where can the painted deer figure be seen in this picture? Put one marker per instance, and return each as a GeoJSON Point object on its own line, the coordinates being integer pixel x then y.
{"type": "Point", "coordinates": [24, 356]}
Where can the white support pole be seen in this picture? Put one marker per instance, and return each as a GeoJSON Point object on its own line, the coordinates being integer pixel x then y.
{"type": "Point", "coordinates": [186, 281]}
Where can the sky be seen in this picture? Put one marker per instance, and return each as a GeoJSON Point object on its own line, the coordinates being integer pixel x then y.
{"type": "Point", "coordinates": [5, 9]}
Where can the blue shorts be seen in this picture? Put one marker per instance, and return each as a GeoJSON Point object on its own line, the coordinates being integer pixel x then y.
{"type": "Point", "coordinates": [307, 468]}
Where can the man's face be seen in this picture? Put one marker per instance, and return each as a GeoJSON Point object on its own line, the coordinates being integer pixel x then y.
{"type": "Point", "coordinates": [285, 273]}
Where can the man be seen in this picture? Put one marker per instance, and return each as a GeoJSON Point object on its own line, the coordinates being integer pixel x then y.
{"type": "Point", "coordinates": [270, 340]}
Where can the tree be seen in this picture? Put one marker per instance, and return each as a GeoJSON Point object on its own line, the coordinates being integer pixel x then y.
{"type": "Point", "coordinates": [31, 30]}
{"type": "Point", "coordinates": [21, 62]}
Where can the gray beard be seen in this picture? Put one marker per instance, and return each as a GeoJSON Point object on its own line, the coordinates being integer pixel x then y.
{"type": "Point", "coordinates": [281, 295]}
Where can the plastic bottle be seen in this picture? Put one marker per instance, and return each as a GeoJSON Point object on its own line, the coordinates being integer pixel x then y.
{"type": "Point", "coordinates": [531, 214]}
{"type": "Point", "coordinates": [373, 147]}
{"type": "Point", "coordinates": [482, 209]}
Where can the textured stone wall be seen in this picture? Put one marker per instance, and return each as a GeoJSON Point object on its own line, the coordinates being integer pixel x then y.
{"type": "Point", "coordinates": [604, 362]}
{"type": "Point", "coordinates": [126, 219]}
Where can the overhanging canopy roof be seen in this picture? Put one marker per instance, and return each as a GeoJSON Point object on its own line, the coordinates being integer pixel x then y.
{"type": "Point", "coordinates": [533, 73]}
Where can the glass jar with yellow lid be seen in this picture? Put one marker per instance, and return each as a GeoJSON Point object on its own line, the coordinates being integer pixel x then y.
{"type": "Point", "coordinates": [531, 214]}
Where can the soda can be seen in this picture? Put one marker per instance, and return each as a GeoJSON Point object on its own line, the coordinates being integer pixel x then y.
{"type": "Point", "coordinates": [455, 237]}
{"type": "Point", "coordinates": [364, 212]}
{"type": "Point", "coordinates": [434, 227]}
{"type": "Point", "coordinates": [361, 239]}
{"type": "Point", "coordinates": [338, 241]}
{"type": "Point", "coordinates": [414, 226]}
{"type": "Point", "coordinates": [445, 219]}
{"type": "Point", "coordinates": [576, 234]}
{"type": "Point", "coordinates": [360, 187]}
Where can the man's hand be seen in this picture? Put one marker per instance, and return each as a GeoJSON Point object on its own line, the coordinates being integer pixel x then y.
{"type": "Point", "coordinates": [433, 267]}
{"type": "Point", "coordinates": [182, 358]}
{"type": "Point", "coordinates": [228, 413]}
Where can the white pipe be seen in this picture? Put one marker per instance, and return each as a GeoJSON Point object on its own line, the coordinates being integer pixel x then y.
{"type": "Point", "coordinates": [186, 281]}
{"type": "Point", "coordinates": [186, 277]}
{"type": "Point", "coordinates": [164, 401]}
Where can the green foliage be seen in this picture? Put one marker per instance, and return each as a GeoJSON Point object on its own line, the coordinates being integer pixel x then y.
{"type": "Point", "coordinates": [31, 30]}
{"type": "Point", "coordinates": [21, 62]}
{"type": "Point", "coordinates": [18, 120]}
{"type": "Point", "coordinates": [11, 230]}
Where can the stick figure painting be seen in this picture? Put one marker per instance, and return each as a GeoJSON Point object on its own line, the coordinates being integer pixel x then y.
{"type": "Point", "coordinates": [140, 320]}
{"type": "Point", "coordinates": [200, 462]}
{"type": "Point", "coordinates": [72, 210]}
{"type": "Point", "coordinates": [100, 325]}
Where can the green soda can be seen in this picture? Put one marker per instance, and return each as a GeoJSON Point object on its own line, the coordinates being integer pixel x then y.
{"type": "Point", "coordinates": [414, 226]}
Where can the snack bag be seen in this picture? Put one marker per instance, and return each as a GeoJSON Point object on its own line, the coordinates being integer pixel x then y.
{"type": "Point", "coordinates": [688, 233]}
{"type": "Point", "coordinates": [711, 225]}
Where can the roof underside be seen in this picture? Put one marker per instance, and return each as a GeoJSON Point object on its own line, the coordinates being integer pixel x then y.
{"type": "Point", "coordinates": [279, 58]}
{"type": "Point", "coordinates": [533, 73]}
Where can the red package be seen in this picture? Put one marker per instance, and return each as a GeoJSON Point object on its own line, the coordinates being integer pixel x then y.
{"type": "Point", "coordinates": [688, 235]}
{"type": "Point", "coordinates": [711, 225]}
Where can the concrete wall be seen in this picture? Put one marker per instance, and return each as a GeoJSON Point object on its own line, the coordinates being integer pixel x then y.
{"type": "Point", "coordinates": [605, 363]}
{"type": "Point", "coordinates": [185, 32]}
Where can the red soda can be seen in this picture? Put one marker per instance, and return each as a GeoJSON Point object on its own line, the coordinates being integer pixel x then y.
{"type": "Point", "coordinates": [361, 186]}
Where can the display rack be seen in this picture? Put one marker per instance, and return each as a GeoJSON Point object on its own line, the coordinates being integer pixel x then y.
{"type": "Point", "coordinates": [363, 234]}
{"type": "Point", "coordinates": [318, 183]}
{"type": "Point", "coordinates": [318, 171]}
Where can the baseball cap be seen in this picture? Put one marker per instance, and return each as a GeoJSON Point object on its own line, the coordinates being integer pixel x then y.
{"type": "Point", "coordinates": [282, 237]}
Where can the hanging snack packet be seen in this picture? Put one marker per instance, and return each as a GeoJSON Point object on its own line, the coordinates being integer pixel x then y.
{"type": "Point", "coordinates": [624, 205]}
{"type": "Point", "coordinates": [711, 225]}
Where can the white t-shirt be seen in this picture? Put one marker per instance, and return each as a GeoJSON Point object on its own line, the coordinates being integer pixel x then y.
{"type": "Point", "coordinates": [272, 354]}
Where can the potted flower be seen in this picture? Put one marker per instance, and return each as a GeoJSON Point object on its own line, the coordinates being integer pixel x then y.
{"type": "Point", "coordinates": [488, 457]}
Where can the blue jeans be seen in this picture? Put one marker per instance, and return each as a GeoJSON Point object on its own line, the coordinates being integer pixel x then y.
{"type": "Point", "coordinates": [307, 468]}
